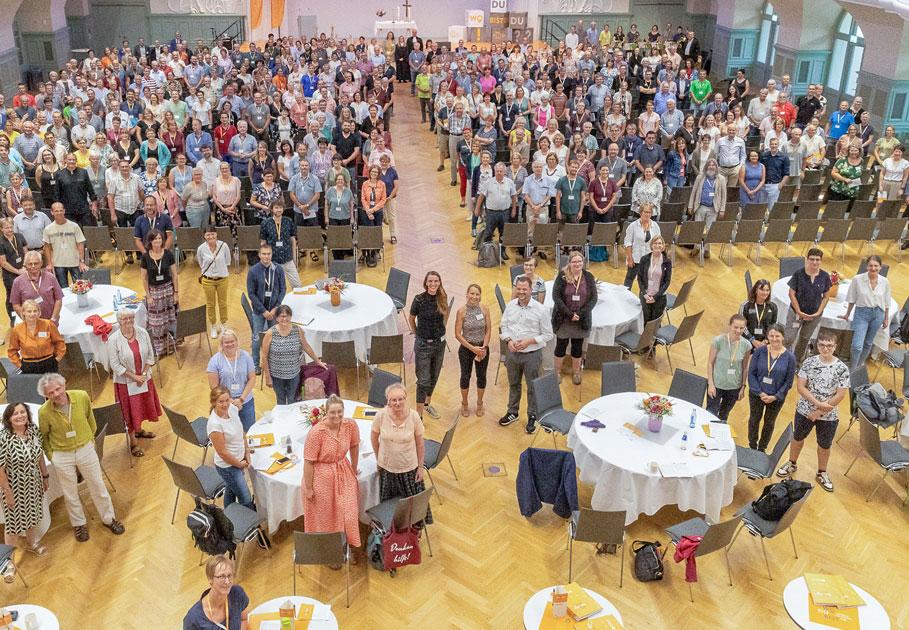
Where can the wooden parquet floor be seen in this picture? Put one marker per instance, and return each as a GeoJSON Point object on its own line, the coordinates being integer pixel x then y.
{"type": "Point", "coordinates": [487, 558]}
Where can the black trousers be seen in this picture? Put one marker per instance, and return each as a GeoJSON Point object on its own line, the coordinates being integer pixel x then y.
{"type": "Point", "coordinates": [769, 412]}
{"type": "Point", "coordinates": [468, 362]}
{"type": "Point", "coordinates": [655, 309]}
{"type": "Point", "coordinates": [630, 275]}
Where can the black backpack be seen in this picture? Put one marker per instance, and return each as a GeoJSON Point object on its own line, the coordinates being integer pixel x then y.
{"type": "Point", "coordinates": [902, 330]}
{"type": "Point", "coordinates": [880, 406]}
{"type": "Point", "coordinates": [648, 562]}
{"type": "Point", "coordinates": [212, 531]}
{"type": "Point", "coordinates": [778, 497]}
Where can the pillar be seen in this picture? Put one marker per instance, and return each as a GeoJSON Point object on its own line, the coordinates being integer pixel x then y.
{"type": "Point", "coordinates": [43, 34]}
{"type": "Point", "coordinates": [9, 57]}
{"type": "Point", "coordinates": [78, 19]}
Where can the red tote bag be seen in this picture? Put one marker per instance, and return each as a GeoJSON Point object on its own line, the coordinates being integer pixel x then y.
{"type": "Point", "coordinates": [400, 548]}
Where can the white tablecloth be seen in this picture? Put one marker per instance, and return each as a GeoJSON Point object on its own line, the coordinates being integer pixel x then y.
{"type": "Point", "coordinates": [274, 605]}
{"type": "Point", "coordinates": [617, 462]}
{"type": "Point", "coordinates": [53, 491]}
{"type": "Point", "coordinates": [835, 307]}
{"type": "Point", "coordinates": [279, 497]}
{"type": "Point", "coordinates": [397, 27]}
{"type": "Point", "coordinates": [364, 311]}
{"type": "Point", "coordinates": [536, 606]}
{"type": "Point", "coordinates": [46, 619]}
{"type": "Point", "coordinates": [795, 599]}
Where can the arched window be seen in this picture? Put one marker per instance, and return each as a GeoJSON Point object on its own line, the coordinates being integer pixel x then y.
{"type": "Point", "coordinates": [846, 56]}
{"type": "Point", "coordinates": [766, 52]}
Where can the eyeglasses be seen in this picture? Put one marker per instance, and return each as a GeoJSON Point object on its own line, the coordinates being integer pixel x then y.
{"type": "Point", "coordinates": [225, 578]}
{"type": "Point", "coordinates": [826, 345]}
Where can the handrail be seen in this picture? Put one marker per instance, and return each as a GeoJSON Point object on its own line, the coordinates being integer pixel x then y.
{"type": "Point", "coordinates": [237, 32]}
{"type": "Point", "coordinates": [550, 30]}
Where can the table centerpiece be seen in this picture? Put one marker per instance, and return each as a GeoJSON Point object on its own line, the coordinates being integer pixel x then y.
{"type": "Point", "coordinates": [80, 289]}
{"type": "Point", "coordinates": [656, 407]}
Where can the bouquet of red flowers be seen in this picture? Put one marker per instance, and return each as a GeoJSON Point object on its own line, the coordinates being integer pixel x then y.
{"type": "Point", "coordinates": [81, 286]}
{"type": "Point", "coordinates": [334, 285]}
{"type": "Point", "coordinates": [657, 405]}
{"type": "Point", "coordinates": [834, 278]}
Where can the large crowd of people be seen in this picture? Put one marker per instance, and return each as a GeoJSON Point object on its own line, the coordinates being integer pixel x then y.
{"type": "Point", "coordinates": [296, 133]}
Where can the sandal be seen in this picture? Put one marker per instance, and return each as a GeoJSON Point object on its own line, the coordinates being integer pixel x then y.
{"type": "Point", "coordinates": [465, 410]}
{"type": "Point", "coordinates": [37, 548]}
{"type": "Point", "coordinates": [137, 452]}
{"type": "Point", "coordinates": [481, 409]}
{"type": "Point", "coordinates": [145, 434]}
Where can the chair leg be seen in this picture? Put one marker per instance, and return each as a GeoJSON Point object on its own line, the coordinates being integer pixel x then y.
{"type": "Point", "coordinates": [766, 562]}
{"type": "Point", "coordinates": [536, 433]}
{"type": "Point", "coordinates": [496, 381]}
{"type": "Point", "coordinates": [690, 593]}
{"type": "Point", "coordinates": [173, 516]}
{"type": "Point", "coordinates": [849, 426]}
{"type": "Point", "coordinates": [428, 542]}
{"type": "Point", "coordinates": [855, 459]}
{"type": "Point", "coordinates": [21, 577]}
{"type": "Point", "coordinates": [434, 486]}
{"type": "Point", "coordinates": [450, 465]}
{"type": "Point", "coordinates": [668, 357]}
{"type": "Point", "coordinates": [884, 476]}
{"type": "Point", "coordinates": [691, 347]}
{"type": "Point", "coordinates": [570, 558]}
{"type": "Point", "coordinates": [728, 570]}
{"type": "Point", "coordinates": [792, 538]}
{"type": "Point", "coordinates": [348, 578]}
{"type": "Point", "coordinates": [176, 442]}
{"type": "Point", "coordinates": [554, 444]}
{"type": "Point", "coordinates": [112, 487]}
{"type": "Point", "coordinates": [294, 571]}
{"type": "Point", "coordinates": [622, 568]}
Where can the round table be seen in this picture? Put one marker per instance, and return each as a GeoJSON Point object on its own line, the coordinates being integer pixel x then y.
{"type": "Point", "coordinates": [46, 619]}
{"type": "Point", "coordinates": [616, 461]}
{"type": "Point", "coordinates": [273, 605]}
{"type": "Point", "coordinates": [279, 497]}
{"type": "Point", "coordinates": [836, 306]}
{"type": "Point", "coordinates": [101, 303]}
{"type": "Point", "coordinates": [53, 490]}
{"type": "Point", "coordinates": [536, 606]}
{"type": "Point", "coordinates": [364, 311]}
{"type": "Point", "coordinates": [795, 600]}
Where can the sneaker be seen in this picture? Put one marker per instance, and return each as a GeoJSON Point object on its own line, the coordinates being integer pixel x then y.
{"type": "Point", "coordinates": [542, 255]}
{"type": "Point", "coordinates": [508, 418]}
{"type": "Point", "coordinates": [115, 526]}
{"type": "Point", "coordinates": [473, 233]}
{"type": "Point", "coordinates": [214, 332]}
{"type": "Point", "coordinates": [435, 415]}
{"type": "Point", "coordinates": [531, 425]}
{"type": "Point", "coordinates": [441, 168]}
{"type": "Point", "coordinates": [505, 255]}
{"type": "Point", "coordinates": [81, 533]}
{"type": "Point", "coordinates": [787, 469]}
{"type": "Point", "coordinates": [258, 371]}
{"type": "Point", "coordinates": [824, 480]}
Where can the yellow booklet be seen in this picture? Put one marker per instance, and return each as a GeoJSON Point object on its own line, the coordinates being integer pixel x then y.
{"type": "Point", "coordinates": [607, 622]}
{"type": "Point", "coordinates": [365, 413]}
{"type": "Point", "coordinates": [580, 604]}
{"type": "Point", "coordinates": [280, 464]}
{"type": "Point", "coordinates": [306, 291]}
{"type": "Point", "coordinates": [832, 590]}
{"type": "Point", "coordinates": [260, 440]}
{"type": "Point", "coordinates": [256, 620]}
{"type": "Point", "coordinates": [548, 622]}
{"type": "Point", "coordinates": [632, 428]}
{"type": "Point", "coordinates": [305, 611]}
{"type": "Point", "coordinates": [841, 618]}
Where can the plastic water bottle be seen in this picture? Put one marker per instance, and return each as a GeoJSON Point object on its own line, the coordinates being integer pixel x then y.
{"type": "Point", "coordinates": [694, 416]}
{"type": "Point", "coordinates": [289, 445]}
{"type": "Point", "coordinates": [685, 441]}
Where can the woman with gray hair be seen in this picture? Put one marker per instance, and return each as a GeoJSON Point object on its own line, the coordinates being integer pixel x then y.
{"type": "Point", "coordinates": [131, 360]}
{"type": "Point", "coordinates": [195, 200]}
{"type": "Point", "coordinates": [707, 200]}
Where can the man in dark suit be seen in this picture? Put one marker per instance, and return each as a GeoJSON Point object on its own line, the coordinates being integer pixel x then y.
{"type": "Point", "coordinates": [691, 49]}
{"type": "Point", "coordinates": [410, 42]}
{"type": "Point", "coordinates": [142, 50]}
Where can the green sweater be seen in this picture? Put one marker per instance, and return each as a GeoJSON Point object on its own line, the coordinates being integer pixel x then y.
{"type": "Point", "coordinates": [55, 425]}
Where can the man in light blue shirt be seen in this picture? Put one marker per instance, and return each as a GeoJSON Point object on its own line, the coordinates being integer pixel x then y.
{"type": "Point", "coordinates": [671, 120]}
{"type": "Point", "coordinates": [537, 193]}
{"type": "Point", "coordinates": [195, 141]}
{"type": "Point", "coordinates": [305, 190]}
{"type": "Point", "coordinates": [596, 94]}
{"type": "Point", "coordinates": [241, 148]}
{"type": "Point", "coordinates": [661, 98]}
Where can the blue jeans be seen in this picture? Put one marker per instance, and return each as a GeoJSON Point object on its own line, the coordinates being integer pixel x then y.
{"type": "Point", "coordinates": [286, 389]}
{"type": "Point", "coordinates": [866, 321]}
{"type": "Point", "coordinates": [198, 217]}
{"type": "Point", "coordinates": [248, 414]}
{"type": "Point", "coordinates": [260, 325]}
{"type": "Point", "coordinates": [773, 193]}
{"type": "Point", "coordinates": [235, 488]}
{"type": "Point", "coordinates": [674, 181]}
{"type": "Point", "coordinates": [61, 272]}
{"type": "Point", "coordinates": [413, 82]}
{"type": "Point", "coordinates": [428, 357]}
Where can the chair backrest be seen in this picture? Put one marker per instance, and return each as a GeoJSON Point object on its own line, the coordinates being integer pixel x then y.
{"type": "Point", "coordinates": [111, 416]}
{"type": "Point", "coordinates": [777, 231]}
{"type": "Point", "coordinates": [862, 229]}
{"type": "Point", "coordinates": [835, 230]}
{"type": "Point", "coordinates": [790, 264]}
{"type": "Point", "coordinates": [688, 386]}
{"type": "Point", "coordinates": [691, 232]}
{"type": "Point", "coordinates": [782, 210]}
{"type": "Point", "coordinates": [789, 515]}
{"type": "Point", "coordinates": [381, 379]}
{"type": "Point", "coordinates": [247, 310]}
{"type": "Point", "coordinates": [411, 510]}
{"type": "Point", "coordinates": [870, 439]}
{"type": "Point", "coordinates": [574, 234]}
{"type": "Point", "coordinates": [836, 209]}
{"type": "Point", "coordinates": [23, 388]}
{"type": "Point", "coordinates": [684, 292]}
{"type": "Point", "coordinates": [595, 526]}
{"type": "Point", "coordinates": [720, 232]}
{"type": "Point", "coordinates": [225, 236]}
{"type": "Point", "coordinates": [125, 239]}
{"type": "Point", "coordinates": [861, 209]}
{"type": "Point", "coordinates": [346, 270]}
{"type": "Point", "coordinates": [339, 237]}
{"type": "Point", "coordinates": [97, 276]}
{"type": "Point", "coordinates": [648, 337]}
{"type": "Point", "coordinates": [749, 232]}
{"type": "Point", "coordinates": [73, 361]}
{"type": "Point", "coordinates": [189, 238]}
{"type": "Point", "coordinates": [397, 285]}
{"type": "Point", "coordinates": [863, 267]}
{"type": "Point", "coordinates": [604, 234]}
{"type": "Point", "coordinates": [718, 536]}
{"type": "Point", "coordinates": [688, 327]}
{"type": "Point", "coordinates": [309, 237]}
{"type": "Point", "coordinates": [546, 393]}
{"type": "Point", "coordinates": [906, 375]}
{"type": "Point", "coordinates": [179, 424]}
{"type": "Point", "coordinates": [748, 283]}
{"type": "Point", "coordinates": [596, 355]}
{"type": "Point", "coordinates": [515, 235]}
{"type": "Point", "coordinates": [516, 270]}
{"type": "Point", "coordinates": [780, 447]}
{"type": "Point", "coordinates": [185, 478]}
{"type": "Point", "coordinates": [500, 298]}
{"type": "Point", "coordinates": [248, 238]}
{"type": "Point", "coordinates": [617, 377]}
{"type": "Point", "coordinates": [370, 237]}
{"type": "Point", "coordinates": [191, 321]}
{"type": "Point", "coordinates": [97, 238]}
{"type": "Point", "coordinates": [386, 349]}
{"type": "Point", "coordinates": [447, 439]}
{"type": "Point", "coordinates": [341, 354]}
{"type": "Point", "coordinates": [320, 548]}
{"type": "Point", "coordinates": [545, 235]}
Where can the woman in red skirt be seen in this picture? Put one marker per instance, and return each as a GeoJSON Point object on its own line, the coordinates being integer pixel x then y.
{"type": "Point", "coordinates": [131, 360]}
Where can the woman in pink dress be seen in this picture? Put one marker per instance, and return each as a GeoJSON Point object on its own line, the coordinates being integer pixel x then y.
{"type": "Point", "coordinates": [131, 359]}
{"type": "Point", "coordinates": [330, 490]}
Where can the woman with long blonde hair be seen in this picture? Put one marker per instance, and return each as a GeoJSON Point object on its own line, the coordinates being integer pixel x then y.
{"type": "Point", "coordinates": [428, 317]}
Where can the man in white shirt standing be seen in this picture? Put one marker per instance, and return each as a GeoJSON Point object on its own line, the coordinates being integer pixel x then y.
{"type": "Point", "coordinates": [571, 38]}
{"type": "Point", "coordinates": [526, 329]}
{"type": "Point", "coordinates": [64, 247]}
{"type": "Point", "coordinates": [730, 154]}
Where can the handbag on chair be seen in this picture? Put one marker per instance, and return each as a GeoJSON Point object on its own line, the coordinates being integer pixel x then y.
{"type": "Point", "coordinates": [401, 547]}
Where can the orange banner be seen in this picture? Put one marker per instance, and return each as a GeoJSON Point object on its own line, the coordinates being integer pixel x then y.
{"type": "Point", "coordinates": [255, 13]}
{"type": "Point", "coordinates": [277, 13]}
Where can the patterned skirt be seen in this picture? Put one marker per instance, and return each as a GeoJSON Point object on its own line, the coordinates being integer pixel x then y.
{"type": "Point", "coordinates": [392, 485]}
{"type": "Point", "coordinates": [162, 315]}
{"type": "Point", "coordinates": [226, 219]}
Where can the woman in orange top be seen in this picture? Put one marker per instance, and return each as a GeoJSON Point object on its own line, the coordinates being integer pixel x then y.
{"type": "Point", "coordinates": [35, 345]}
{"type": "Point", "coordinates": [373, 197]}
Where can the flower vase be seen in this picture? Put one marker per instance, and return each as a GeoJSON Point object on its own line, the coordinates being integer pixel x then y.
{"type": "Point", "coordinates": [654, 422]}
{"type": "Point", "coordinates": [335, 297]}
{"type": "Point", "coordinates": [82, 300]}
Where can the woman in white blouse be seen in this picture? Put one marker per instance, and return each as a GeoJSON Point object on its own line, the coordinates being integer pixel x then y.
{"type": "Point", "coordinates": [647, 190]}
{"type": "Point", "coordinates": [213, 257]}
{"type": "Point", "coordinates": [869, 294]}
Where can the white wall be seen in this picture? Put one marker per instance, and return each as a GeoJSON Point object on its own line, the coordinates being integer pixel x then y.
{"type": "Point", "coordinates": [41, 16]}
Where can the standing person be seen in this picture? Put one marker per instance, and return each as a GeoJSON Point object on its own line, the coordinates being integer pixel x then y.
{"type": "Point", "coordinates": [869, 294]}
{"type": "Point", "coordinates": [823, 381]}
{"type": "Point", "coordinates": [647, 191]}
{"type": "Point", "coordinates": [330, 487]}
{"type": "Point", "coordinates": [730, 154]}
{"type": "Point", "coordinates": [67, 425]}
{"type": "Point", "coordinates": [38, 285]}
{"type": "Point", "coordinates": [574, 295]}
{"type": "Point", "coordinates": [389, 176]}
{"type": "Point", "coordinates": [280, 233]}
{"type": "Point", "coordinates": [654, 275]}
{"type": "Point", "coordinates": [225, 195]}
{"type": "Point", "coordinates": [770, 376]}
{"type": "Point", "coordinates": [282, 352]}
{"type": "Point", "coordinates": [751, 181]}
{"type": "Point", "coordinates": [397, 441]}
{"type": "Point", "coordinates": [30, 224]}
{"type": "Point", "coordinates": [233, 369]}
{"type": "Point", "coordinates": [35, 344]}
{"type": "Point", "coordinates": [305, 190]}
{"type": "Point", "coordinates": [131, 360]}
{"type": "Point", "coordinates": [76, 193]}
{"type": "Point", "coordinates": [846, 175]}
{"type": "Point", "coordinates": [12, 251]}
{"type": "Point", "coordinates": [124, 199]}
{"type": "Point", "coordinates": [64, 247]}
{"type": "Point", "coordinates": [526, 330]}
{"type": "Point", "coordinates": [895, 175]}
{"type": "Point", "coordinates": [213, 257]}
{"type": "Point", "coordinates": [808, 295]}
{"type": "Point", "coordinates": [473, 327]}
{"type": "Point", "coordinates": [231, 450]}
{"type": "Point", "coordinates": [707, 201]}
{"type": "Point", "coordinates": [776, 169]}
{"type": "Point", "coordinates": [602, 195]}
{"type": "Point", "coordinates": [224, 605]}
{"type": "Point", "coordinates": [570, 195]}
{"type": "Point", "coordinates": [372, 197]}
{"type": "Point", "coordinates": [162, 296]}
{"type": "Point", "coordinates": [727, 369]}
{"type": "Point", "coordinates": [266, 288]}
{"type": "Point", "coordinates": [427, 318]}
{"type": "Point", "coordinates": [638, 236]}
{"type": "Point", "coordinates": [759, 312]}
{"type": "Point", "coordinates": [499, 197]}
{"type": "Point", "coordinates": [195, 199]}
{"type": "Point", "coordinates": [23, 479]}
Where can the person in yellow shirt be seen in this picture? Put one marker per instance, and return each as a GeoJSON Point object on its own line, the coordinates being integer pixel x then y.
{"type": "Point", "coordinates": [67, 426]}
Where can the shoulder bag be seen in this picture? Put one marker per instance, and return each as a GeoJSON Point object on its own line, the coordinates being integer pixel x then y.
{"type": "Point", "coordinates": [212, 262]}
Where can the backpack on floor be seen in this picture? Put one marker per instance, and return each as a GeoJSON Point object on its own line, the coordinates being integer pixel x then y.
{"type": "Point", "coordinates": [880, 406]}
{"type": "Point", "coordinates": [374, 550]}
{"type": "Point", "coordinates": [598, 253]}
{"type": "Point", "coordinates": [212, 531]}
{"type": "Point", "coordinates": [777, 498]}
{"type": "Point", "coordinates": [648, 561]}
{"type": "Point", "coordinates": [488, 255]}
